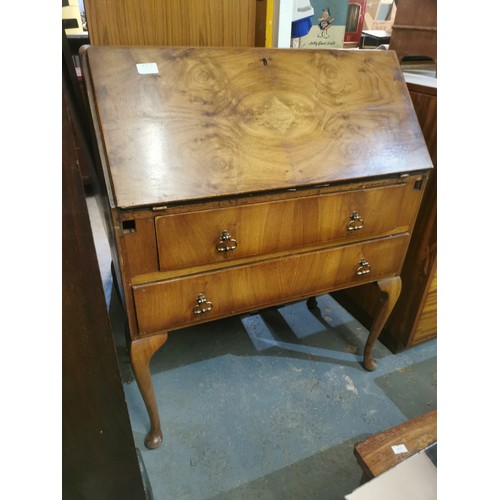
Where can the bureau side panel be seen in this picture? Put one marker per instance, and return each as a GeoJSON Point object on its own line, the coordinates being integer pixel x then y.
{"type": "Point", "coordinates": [139, 246]}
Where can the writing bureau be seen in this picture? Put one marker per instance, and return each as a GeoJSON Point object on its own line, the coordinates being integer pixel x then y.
{"type": "Point", "coordinates": [235, 179]}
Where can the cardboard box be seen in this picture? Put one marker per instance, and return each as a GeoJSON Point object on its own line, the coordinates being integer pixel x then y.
{"type": "Point", "coordinates": [413, 479]}
{"type": "Point", "coordinates": [380, 15]}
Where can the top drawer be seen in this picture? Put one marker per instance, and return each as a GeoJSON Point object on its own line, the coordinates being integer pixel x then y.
{"type": "Point", "coordinates": [208, 236]}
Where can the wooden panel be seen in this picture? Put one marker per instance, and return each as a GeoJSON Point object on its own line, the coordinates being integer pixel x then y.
{"type": "Point", "coordinates": [285, 225]}
{"type": "Point", "coordinates": [427, 324]}
{"type": "Point", "coordinates": [423, 13]}
{"type": "Point", "coordinates": [169, 304]}
{"type": "Point", "coordinates": [139, 246]}
{"type": "Point", "coordinates": [414, 31]}
{"type": "Point", "coordinates": [424, 100]}
{"type": "Point", "coordinates": [375, 454]}
{"type": "Point", "coordinates": [221, 122]}
{"type": "Point", "coordinates": [433, 285]}
{"type": "Point", "coordinates": [99, 459]}
{"type": "Point", "coordinates": [415, 43]}
{"type": "Point", "coordinates": [171, 22]}
{"type": "Point", "coordinates": [420, 264]}
{"type": "Point", "coordinates": [261, 7]}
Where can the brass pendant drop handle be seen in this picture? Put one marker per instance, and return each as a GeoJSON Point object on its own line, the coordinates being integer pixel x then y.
{"type": "Point", "coordinates": [356, 223]}
{"type": "Point", "coordinates": [202, 305]}
{"type": "Point", "coordinates": [364, 267]}
{"type": "Point", "coordinates": [226, 243]}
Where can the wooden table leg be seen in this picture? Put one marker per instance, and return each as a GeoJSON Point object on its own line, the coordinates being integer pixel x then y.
{"type": "Point", "coordinates": [141, 352]}
{"type": "Point", "coordinates": [390, 289]}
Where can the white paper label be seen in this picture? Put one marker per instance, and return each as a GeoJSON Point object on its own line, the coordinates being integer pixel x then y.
{"type": "Point", "coordinates": [399, 448]}
{"type": "Point", "coordinates": [147, 68]}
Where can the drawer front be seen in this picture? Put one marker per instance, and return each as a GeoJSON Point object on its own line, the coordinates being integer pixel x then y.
{"type": "Point", "coordinates": [197, 238]}
{"type": "Point", "coordinates": [174, 303]}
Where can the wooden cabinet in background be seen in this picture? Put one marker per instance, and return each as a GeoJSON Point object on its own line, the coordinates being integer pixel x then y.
{"type": "Point", "coordinates": [414, 318]}
{"type": "Point", "coordinates": [223, 23]}
{"type": "Point", "coordinates": [414, 32]}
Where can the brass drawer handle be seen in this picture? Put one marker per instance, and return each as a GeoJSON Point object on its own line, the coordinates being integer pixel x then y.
{"type": "Point", "coordinates": [364, 267]}
{"type": "Point", "coordinates": [356, 223]}
{"type": "Point", "coordinates": [202, 305]}
{"type": "Point", "coordinates": [227, 243]}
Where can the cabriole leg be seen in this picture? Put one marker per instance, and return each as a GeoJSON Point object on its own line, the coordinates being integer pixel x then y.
{"type": "Point", "coordinates": [390, 289]}
{"type": "Point", "coordinates": [141, 352]}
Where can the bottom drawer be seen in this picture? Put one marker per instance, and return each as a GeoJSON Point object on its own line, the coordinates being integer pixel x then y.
{"type": "Point", "coordinates": [176, 303]}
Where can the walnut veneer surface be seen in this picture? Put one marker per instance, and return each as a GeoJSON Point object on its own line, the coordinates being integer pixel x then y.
{"type": "Point", "coordinates": [237, 179]}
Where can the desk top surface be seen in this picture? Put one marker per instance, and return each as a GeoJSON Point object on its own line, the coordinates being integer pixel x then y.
{"type": "Point", "coordinates": [214, 122]}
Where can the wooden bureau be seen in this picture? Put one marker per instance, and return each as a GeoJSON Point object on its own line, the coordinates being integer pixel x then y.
{"type": "Point", "coordinates": [234, 179]}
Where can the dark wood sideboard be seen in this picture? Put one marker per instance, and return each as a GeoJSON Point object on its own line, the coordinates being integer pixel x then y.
{"type": "Point", "coordinates": [99, 459]}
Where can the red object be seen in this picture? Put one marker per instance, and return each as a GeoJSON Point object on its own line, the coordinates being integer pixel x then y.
{"type": "Point", "coordinates": [355, 19]}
